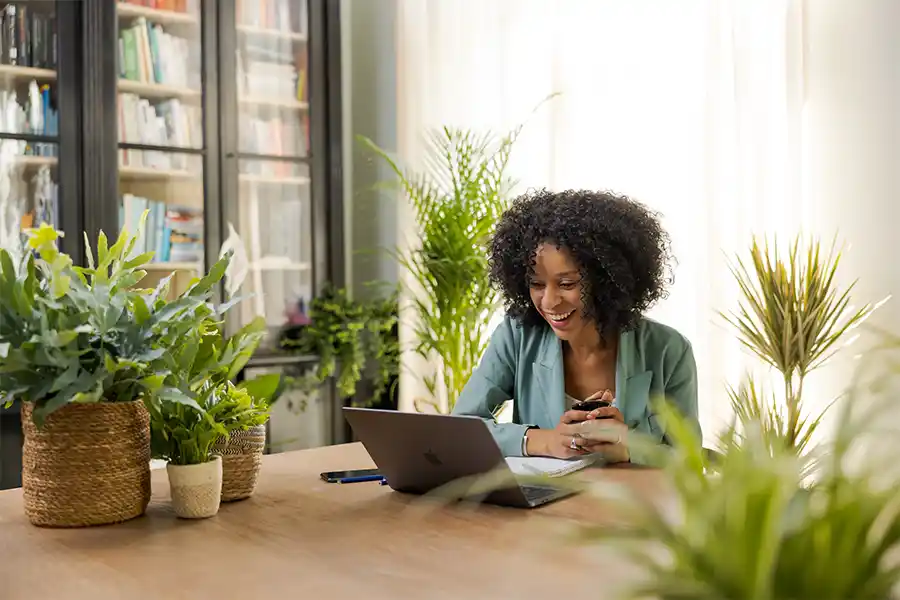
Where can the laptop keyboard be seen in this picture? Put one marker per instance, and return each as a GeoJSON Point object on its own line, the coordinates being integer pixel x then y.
{"type": "Point", "coordinates": [535, 493]}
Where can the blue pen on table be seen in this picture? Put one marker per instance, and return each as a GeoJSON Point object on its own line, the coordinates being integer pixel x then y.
{"type": "Point", "coordinates": [361, 478]}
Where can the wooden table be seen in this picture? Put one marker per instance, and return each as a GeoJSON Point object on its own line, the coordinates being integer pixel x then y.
{"type": "Point", "coordinates": [299, 537]}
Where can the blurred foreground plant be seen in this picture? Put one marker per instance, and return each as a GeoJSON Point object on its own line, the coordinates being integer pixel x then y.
{"type": "Point", "coordinates": [792, 315]}
{"type": "Point", "coordinates": [772, 524]}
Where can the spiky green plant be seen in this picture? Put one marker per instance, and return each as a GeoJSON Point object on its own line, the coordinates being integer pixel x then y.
{"type": "Point", "coordinates": [765, 527]}
{"type": "Point", "coordinates": [457, 201]}
{"type": "Point", "coordinates": [792, 315]}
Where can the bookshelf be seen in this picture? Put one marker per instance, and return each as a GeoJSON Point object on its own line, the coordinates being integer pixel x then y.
{"type": "Point", "coordinates": [29, 114]}
{"type": "Point", "coordinates": [41, 145]}
{"type": "Point", "coordinates": [160, 133]}
{"type": "Point", "coordinates": [272, 121]}
{"type": "Point", "coordinates": [126, 105]}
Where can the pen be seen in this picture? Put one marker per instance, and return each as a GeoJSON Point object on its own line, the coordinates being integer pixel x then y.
{"type": "Point", "coordinates": [361, 478]}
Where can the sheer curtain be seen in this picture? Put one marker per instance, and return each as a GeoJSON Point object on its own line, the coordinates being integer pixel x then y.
{"type": "Point", "coordinates": [693, 107]}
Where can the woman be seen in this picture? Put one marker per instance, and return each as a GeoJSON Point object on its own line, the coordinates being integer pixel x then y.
{"type": "Point", "coordinates": [577, 269]}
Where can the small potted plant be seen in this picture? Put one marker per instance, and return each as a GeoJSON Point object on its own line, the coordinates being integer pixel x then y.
{"type": "Point", "coordinates": [183, 434]}
{"type": "Point", "coordinates": [242, 449]}
{"type": "Point", "coordinates": [81, 349]}
{"type": "Point", "coordinates": [197, 410]}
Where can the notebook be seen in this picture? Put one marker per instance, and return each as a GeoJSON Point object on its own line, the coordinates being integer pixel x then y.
{"type": "Point", "coordinates": [550, 467]}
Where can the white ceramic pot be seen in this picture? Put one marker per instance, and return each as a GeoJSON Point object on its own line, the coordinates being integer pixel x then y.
{"type": "Point", "coordinates": [196, 489]}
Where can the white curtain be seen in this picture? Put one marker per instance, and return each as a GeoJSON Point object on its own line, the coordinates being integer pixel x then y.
{"type": "Point", "coordinates": [694, 107]}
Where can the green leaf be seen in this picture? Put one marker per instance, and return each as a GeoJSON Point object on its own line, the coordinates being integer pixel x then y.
{"type": "Point", "coordinates": [264, 389]}
{"type": "Point", "coordinates": [153, 383]}
{"type": "Point", "coordinates": [137, 261]}
{"type": "Point", "coordinates": [174, 395]}
{"type": "Point", "coordinates": [89, 254]}
{"type": "Point", "coordinates": [204, 285]}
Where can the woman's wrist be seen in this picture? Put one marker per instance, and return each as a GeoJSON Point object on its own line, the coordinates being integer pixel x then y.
{"type": "Point", "coordinates": [531, 445]}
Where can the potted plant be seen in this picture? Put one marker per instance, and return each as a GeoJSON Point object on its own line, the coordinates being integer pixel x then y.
{"type": "Point", "coordinates": [81, 350]}
{"type": "Point", "coordinates": [793, 316]}
{"type": "Point", "coordinates": [345, 334]}
{"type": "Point", "coordinates": [204, 425]}
{"type": "Point", "coordinates": [771, 523]}
{"type": "Point", "coordinates": [457, 203]}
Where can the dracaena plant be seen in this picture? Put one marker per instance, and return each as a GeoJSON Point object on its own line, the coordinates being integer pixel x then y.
{"type": "Point", "coordinates": [794, 316]}
{"type": "Point", "coordinates": [771, 524]}
{"type": "Point", "coordinates": [197, 401]}
{"type": "Point", "coordinates": [89, 334]}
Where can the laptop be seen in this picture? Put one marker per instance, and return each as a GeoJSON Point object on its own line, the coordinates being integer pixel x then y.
{"type": "Point", "coordinates": [418, 453]}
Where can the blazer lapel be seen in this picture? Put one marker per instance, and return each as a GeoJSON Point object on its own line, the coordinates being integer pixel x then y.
{"type": "Point", "coordinates": [633, 380]}
{"type": "Point", "coordinates": [550, 377]}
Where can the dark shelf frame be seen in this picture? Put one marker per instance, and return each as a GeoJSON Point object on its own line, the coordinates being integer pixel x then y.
{"type": "Point", "coordinates": [167, 149]}
{"type": "Point", "coordinates": [273, 157]}
{"type": "Point", "coordinates": [31, 138]}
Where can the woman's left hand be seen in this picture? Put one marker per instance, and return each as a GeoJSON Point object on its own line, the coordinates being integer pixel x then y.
{"type": "Point", "coordinates": [607, 437]}
{"type": "Point", "coordinates": [607, 412]}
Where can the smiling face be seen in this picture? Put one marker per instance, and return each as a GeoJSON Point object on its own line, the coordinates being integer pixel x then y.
{"type": "Point", "coordinates": [556, 291]}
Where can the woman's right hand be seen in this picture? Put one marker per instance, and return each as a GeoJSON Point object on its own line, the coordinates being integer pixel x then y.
{"type": "Point", "coordinates": [557, 442]}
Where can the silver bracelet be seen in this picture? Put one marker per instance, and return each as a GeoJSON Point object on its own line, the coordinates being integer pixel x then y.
{"type": "Point", "coordinates": [525, 442]}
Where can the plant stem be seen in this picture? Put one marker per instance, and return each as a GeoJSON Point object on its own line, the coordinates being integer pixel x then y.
{"type": "Point", "coordinates": [793, 401]}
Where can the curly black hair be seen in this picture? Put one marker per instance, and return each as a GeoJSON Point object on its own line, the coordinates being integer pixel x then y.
{"type": "Point", "coordinates": [619, 244]}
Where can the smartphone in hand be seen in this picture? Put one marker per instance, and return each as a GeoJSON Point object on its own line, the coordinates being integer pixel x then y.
{"type": "Point", "coordinates": [589, 405]}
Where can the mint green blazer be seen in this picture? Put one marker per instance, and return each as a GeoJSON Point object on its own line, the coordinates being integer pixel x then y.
{"type": "Point", "coordinates": [524, 363]}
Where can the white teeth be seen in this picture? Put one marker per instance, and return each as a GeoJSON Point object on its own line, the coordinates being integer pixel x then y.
{"type": "Point", "coordinates": [559, 317]}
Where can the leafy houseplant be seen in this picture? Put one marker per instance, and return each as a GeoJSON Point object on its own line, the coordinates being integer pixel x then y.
{"type": "Point", "coordinates": [772, 524]}
{"type": "Point", "coordinates": [79, 348]}
{"type": "Point", "coordinates": [457, 202]}
{"type": "Point", "coordinates": [792, 316]}
{"type": "Point", "coordinates": [346, 334]}
{"type": "Point", "coordinates": [199, 408]}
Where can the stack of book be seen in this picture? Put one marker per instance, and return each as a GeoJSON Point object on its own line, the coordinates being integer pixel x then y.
{"type": "Point", "coordinates": [283, 15]}
{"type": "Point", "coordinates": [149, 54]}
{"type": "Point", "coordinates": [281, 135]}
{"type": "Point", "coordinates": [33, 112]}
{"type": "Point", "coordinates": [183, 6]}
{"type": "Point", "coordinates": [28, 37]}
{"type": "Point", "coordinates": [172, 233]}
{"type": "Point", "coordinates": [268, 70]}
{"type": "Point", "coordinates": [167, 123]}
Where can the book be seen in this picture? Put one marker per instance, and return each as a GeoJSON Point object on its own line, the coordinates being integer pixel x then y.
{"type": "Point", "coordinates": [172, 233]}
{"type": "Point", "coordinates": [272, 14]}
{"type": "Point", "coordinates": [28, 36]}
{"type": "Point", "coordinates": [147, 53]}
{"type": "Point", "coordinates": [550, 467]}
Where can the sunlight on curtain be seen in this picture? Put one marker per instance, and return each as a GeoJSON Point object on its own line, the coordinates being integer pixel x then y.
{"type": "Point", "coordinates": [693, 107]}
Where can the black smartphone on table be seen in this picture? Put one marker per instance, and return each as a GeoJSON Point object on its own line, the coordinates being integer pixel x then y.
{"type": "Point", "coordinates": [351, 476]}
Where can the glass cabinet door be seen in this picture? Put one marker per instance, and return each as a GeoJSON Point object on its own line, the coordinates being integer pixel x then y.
{"type": "Point", "coordinates": [161, 145]}
{"type": "Point", "coordinates": [273, 150]}
{"type": "Point", "coordinates": [29, 116]}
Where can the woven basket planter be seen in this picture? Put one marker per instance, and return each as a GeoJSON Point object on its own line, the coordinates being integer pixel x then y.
{"type": "Point", "coordinates": [88, 465]}
{"type": "Point", "coordinates": [241, 459]}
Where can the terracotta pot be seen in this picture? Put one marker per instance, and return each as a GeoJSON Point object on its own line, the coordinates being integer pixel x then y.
{"type": "Point", "coordinates": [196, 489]}
{"type": "Point", "coordinates": [88, 465]}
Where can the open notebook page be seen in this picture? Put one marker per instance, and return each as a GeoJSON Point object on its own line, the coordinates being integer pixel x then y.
{"type": "Point", "coordinates": [551, 467]}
